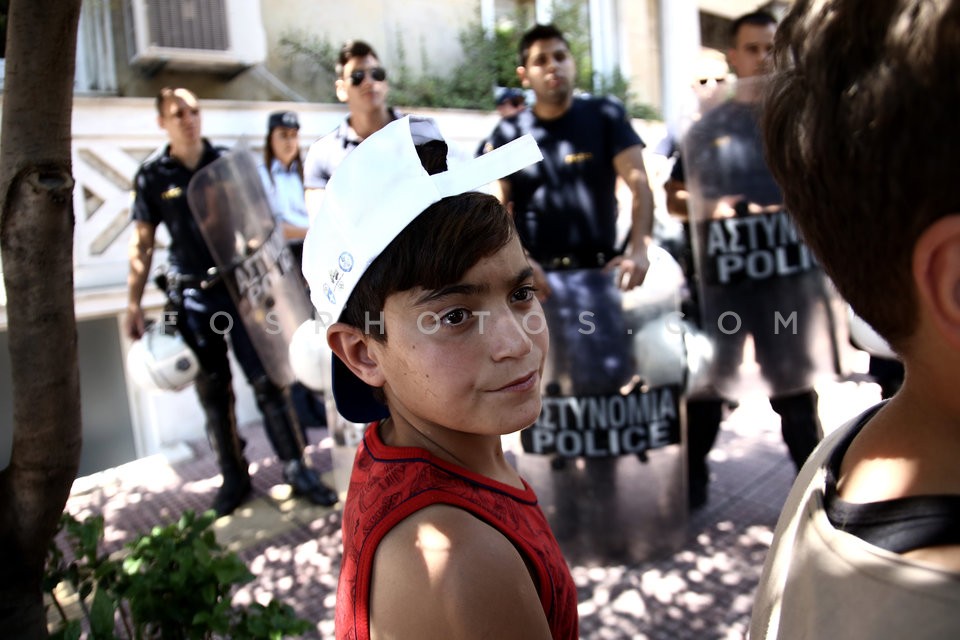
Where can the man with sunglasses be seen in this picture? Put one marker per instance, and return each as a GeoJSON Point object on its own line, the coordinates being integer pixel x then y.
{"type": "Point", "coordinates": [361, 84]}
{"type": "Point", "coordinates": [205, 312]}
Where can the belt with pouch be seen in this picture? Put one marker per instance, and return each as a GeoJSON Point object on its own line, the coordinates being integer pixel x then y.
{"type": "Point", "coordinates": [579, 260]}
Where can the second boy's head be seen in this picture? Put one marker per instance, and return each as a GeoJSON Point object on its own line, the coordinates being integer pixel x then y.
{"type": "Point", "coordinates": [861, 134]}
{"type": "Point", "coordinates": [433, 295]}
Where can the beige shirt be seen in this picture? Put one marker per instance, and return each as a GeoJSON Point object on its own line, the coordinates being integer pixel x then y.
{"type": "Point", "coordinates": [822, 583]}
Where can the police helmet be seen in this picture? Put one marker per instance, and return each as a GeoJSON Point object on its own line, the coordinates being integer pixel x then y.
{"type": "Point", "coordinates": [161, 360]}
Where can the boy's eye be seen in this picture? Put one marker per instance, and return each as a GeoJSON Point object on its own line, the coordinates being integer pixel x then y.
{"type": "Point", "coordinates": [455, 317]}
{"type": "Point", "coordinates": [524, 294]}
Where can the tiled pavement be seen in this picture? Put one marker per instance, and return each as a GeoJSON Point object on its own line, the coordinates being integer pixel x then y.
{"type": "Point", "coordinates": [703, 591]}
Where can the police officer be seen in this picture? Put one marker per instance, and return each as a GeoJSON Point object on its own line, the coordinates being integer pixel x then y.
{"type": "Point", "coordinates": [566, 206]}
{"type": "Point", "coordinates": [205, 313]}
{"type": "Point", "coordinates": [723, 172]}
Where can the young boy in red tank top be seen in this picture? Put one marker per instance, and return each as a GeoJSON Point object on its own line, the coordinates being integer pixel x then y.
{"type": "Point", "coordinates": [439, 343]}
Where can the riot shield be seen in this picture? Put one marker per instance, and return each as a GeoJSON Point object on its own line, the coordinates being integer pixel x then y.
{"type": "Point", "coordinates": [236, 221]}
{"type": "Point", "coordinates": [606, 455]}
{"type": "Point", "coordinates": [756, 279]}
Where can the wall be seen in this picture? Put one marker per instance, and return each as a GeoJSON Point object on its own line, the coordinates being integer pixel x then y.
{"type": "Point", "coordinates": [108, 435]}
{"type": "Point", "coordinates": [640, 50]}
{"type": "Point", "coordinates": [388, 25]}
{"type": "Point", "coordinates": [426, 30]}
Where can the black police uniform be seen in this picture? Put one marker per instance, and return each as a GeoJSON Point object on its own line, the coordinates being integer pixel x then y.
{"type": "Point", "coordinates": [565, 207]}
{"type": "Point", "coordinates": [728, 159]}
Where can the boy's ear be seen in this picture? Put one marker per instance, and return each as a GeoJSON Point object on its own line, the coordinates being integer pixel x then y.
{"type": "Point", "coordinates": [351, 345]}
{"type": "Point", "coordinates": [936, 274]}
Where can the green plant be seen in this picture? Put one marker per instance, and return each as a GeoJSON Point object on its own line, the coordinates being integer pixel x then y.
{"type": "Point", "coordinates": [617, 85]}
{"type": "Point", "coordinates": [311, 60]}
{"type": "Point", "coordinates": [171, 584]}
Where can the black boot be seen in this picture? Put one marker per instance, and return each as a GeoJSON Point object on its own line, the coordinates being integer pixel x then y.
{"type": "Point", "coordinates": [217, 400]}
{"type": "Point", "coordinates": [286, 438]}
{"type": "Point", "coordinates": [799, 423]}
{"type": "Point", "coordinates": [703, 425]}
{"type": "Point", "coordinates": [306, 482]}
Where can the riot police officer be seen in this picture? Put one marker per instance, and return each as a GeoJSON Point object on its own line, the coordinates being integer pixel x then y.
{"type": "Point", "coordinates": [205, 310]}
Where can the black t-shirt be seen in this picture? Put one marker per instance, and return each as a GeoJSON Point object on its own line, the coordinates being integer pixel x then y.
{"type": "Point", "coordinates": [161, 196]}
{"type": "Point", "coordinates": [723, 156]}
{"type": "Point", "coordinates": [566, 205]}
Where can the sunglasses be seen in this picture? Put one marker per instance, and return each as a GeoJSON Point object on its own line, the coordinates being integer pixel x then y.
{"type": "Point", "coordinates": [379, 74]}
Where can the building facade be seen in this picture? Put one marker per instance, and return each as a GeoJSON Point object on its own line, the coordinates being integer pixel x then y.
{"type": "Point", "coordinates": [236, 56]}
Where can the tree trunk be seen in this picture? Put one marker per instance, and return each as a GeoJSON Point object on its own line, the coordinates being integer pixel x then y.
{"type": "Point", "coordinates": [36, 242]}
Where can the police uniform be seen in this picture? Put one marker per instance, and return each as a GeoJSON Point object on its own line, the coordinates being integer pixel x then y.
{"type": "Point", "coordinates": [752, 268]}
{"type": "Point", "coordinates": [565, 207]}
{"type": "Point", "coordinates": [205, 315]}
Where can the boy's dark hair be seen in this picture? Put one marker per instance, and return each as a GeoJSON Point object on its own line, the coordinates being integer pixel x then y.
{"type": "Point", "coordinates": [431, 252]}
{"type": "Point", "coordinates": [859, 135]}
{"type": "Point", "coordinates": [538, 32]}
{"type": "Point", "coordinates": [755, 18]}
{"type": "Point", "coordinates": [353, 49]}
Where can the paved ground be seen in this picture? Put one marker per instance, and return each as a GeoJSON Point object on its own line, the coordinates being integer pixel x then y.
{"type": "Point", "coordinates": [703, 591]}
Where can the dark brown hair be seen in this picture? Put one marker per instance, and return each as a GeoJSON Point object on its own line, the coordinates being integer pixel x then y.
{"type": "Point", "coordinates": [269, 155]}
{"type": "Point", "coordinates": [538, 32]}
{"type": "Point", "coordinates": [435, 250]}
{"type": "Point", "coordinates": [861, 132]}
{"type": "Point", "coordinates": [353, 49]}
{"type": "Point", "coordinates": [754, 19]}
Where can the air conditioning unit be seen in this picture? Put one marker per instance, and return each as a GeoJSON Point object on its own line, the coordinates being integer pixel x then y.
{"type": "Point", "coordinates": [195, 35]}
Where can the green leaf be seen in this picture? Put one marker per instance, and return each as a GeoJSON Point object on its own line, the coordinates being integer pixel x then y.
{"type": "Point", "coordinates": [70, 631]}
{"type": "Point", "coordinates": [209, 593]}
{"type": "Point", "coordinates": [102, 615]}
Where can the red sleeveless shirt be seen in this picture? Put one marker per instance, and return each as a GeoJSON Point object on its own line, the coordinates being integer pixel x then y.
{"type": "Point", "coordinates": [389, 484]}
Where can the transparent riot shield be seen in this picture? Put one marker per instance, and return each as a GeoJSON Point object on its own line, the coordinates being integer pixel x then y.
{"type": "Point", "coordinates": [606, 456]}
{"type": "Point", "coordinates": [236, 221]}
{"type": "Point", "coordinates": [757, 282]}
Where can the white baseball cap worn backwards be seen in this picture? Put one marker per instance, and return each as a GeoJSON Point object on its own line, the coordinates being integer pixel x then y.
{"type": "Point", "coordinates": [375, 193]}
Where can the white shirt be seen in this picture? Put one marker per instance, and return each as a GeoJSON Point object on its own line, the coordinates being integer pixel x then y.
{"type": "Point", "coordinates": [285, 192]}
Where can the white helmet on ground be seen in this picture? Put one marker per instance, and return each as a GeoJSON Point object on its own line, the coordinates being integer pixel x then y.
{"type": "Point", "coordinates": [161, 360]}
